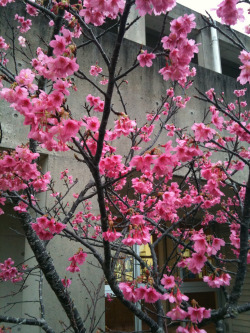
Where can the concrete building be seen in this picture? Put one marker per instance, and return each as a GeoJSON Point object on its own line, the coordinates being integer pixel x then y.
{"type": "Point", "coordinates": [217, 66]}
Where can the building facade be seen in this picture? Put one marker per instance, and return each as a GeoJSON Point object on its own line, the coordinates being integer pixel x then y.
{"type": "Point", "coordinates": [217, 66]}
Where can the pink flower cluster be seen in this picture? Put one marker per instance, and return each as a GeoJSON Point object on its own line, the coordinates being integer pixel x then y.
{"type": "Point", "coordinates": [124, 126]}
{"type": "Point", "coordinates": [48, 120]}
{"type": "Point", "coordinates": [96, 11]}
{"type": "Point", "coordinates": [66, 178]}
{"type": "Point", "coordinates": [145, 58]}
{"type": "Point", "coordinates": [235, 237]}
{"type": "Point", "coordinates": [238, 130]}
{"type": "Point", "coordinates": [18, 172]}
{"type": "Point", "coordinates": [59, 67]}
{"type": "Point", "coordinates": [2, 203]}
{"type": "Point", "coordinates": [168, 281]}
{"type": "Point", "coordinates": [133, 294]}
{"type": "Point", "coordinates": [185, 151]}
{"type": "Point", "coordinates": [194, 314]}
{"type": "Point", "coordinates": [3, 45]}
{"type": "Point", "coordinates": [78, 220]}
{"type": "Point", "coordinates": [95, 70]}
{"type": "Point", "coordinates": [156, 6]}
{"type": "Point", "coordinates": [3, 3]}
{"type": "Point", "coordinates": [235, 240]}
{"type": "Point", "coordinates": [215, 281]}
{"type": "Point", "coordinates": [202, 132]}
{"type": "Point", "coordinates": [47, 228]}
{"type": "Point", "coordinates": [175, 296]}
{"type": "Point", "coordinates": [146, 131]}
{"type": "Point", "coordinates": [142, 163]}
{"type": "Point", "coordinates": [96, 102]}
{"type": "Point", "coordinates": [111, 236]}
{"type": "Point", "coordinates": [201, 245]}
{"type": "Point", "coordinates": [244, 76]}
{"type": "Point", "coordinates": [241, 92]}
{"type": "Point", "coordinates": [198, 314]}
{"type": "Point", "coordinates": [138, 232]}
{"type": "Point", "coordinates": [216, 119]}
{"type": "Point", "coordinates": [83, 221]}
{"type": "Point", "coordinates": [181, 50]}
{"type": "Point", "coordinates": [190, 329]}
{"type": "Point", "coordinates": [24, 79]}
{"type": "Point", "coordinates": [22, 41]}
{"type": "Point", "coordinates": [66, 282]}
{"type": "Point", "coordinates": [77, 259]}
{"type": "Point", "coordinates": [202, 248]}
{"type": "Point", "coordinates": [142, 185]}
{"type": "Point", "coordinates": [8, 272]}
{"type": "Point", "coordinates": [25, 24]}
{"type": "Point", "coordinates": [91, 123]}
{"type": "Point", "coordinates": [112, 166]}
{"type": "Point", "coordinates": [22, 206]}
{"type": "Point", "coordinates": [32, 11]}
{"type": "Point", "coordinates": [228, 12]}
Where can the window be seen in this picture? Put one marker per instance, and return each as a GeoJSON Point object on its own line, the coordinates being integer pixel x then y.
{"type": "Point", "coordinates": [229, 59]}
{"type": "Point", "coordinates": [117, 316]}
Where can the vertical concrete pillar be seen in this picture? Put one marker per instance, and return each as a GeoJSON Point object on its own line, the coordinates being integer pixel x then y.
{"type": "Point", "coordinates": [137, 32]}
{"type": "Point", "coordinates": [209, 51]}
{"type": "Point", "coordinates": [216, 50]}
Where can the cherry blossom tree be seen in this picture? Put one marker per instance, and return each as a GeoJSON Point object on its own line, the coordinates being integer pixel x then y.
{"type": "Point", "coordinates": [172, 185]}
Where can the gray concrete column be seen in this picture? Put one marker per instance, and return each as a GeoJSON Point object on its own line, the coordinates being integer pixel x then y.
{"type": "Point", "coordinates": [137, 32]}
{"type": "Point", "coordinates": [209, 51]}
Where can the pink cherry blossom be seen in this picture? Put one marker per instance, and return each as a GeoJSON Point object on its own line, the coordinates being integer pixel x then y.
{"type": "Point", "coordinates": [111, 236]}
{"type": "Point", "coordinates": [58, 45]}
{"type": "Point", "coordinates": [128, 291]}
{"type": "Point", "coordinates": [245, 68]}
{"type": "Point", "coordinates": [197, 314]}
{"type": "Point", "coordinates": [25, 24]}
{"type": "Point", "coordinates": [145, 59]}
{"type": "Point", "coordinates": [202, 132]}
{"type": "Point", "coordinates": [228, 12]}
{"type": "Point", "coordinates": [124, 126]}
{"type": "Point", "coordinates": [177, 313]}
{"type": "Point", "coordinates": [66, 282]}
{"type": "Point", "coordinates": [3, 45]}
{"type": "Point", "coordinates": [9, 273]}
{"type": "Point", "coordinates": [92, 123]}
{"type": "Point", "coordinates": [151, 295]}
{"type": "Point", "coordinates": [196, 262]}
{"type": "Point", "coordinates": [183, 25]}
{"type": "Point", "coordinates": [96, 102]}
{"type": "Point", "coordinates": [158, 6]}
{"type": "Point", "coordinates": [46, 228]}
{"type": "Point", "coordinates": [77, 259]}
{"type": "Point", "coordinates": [22, 41]}
{"type": "Point", "coordinates": [95, 70]}
{"type": "Point", "coordinates": [217, 281]}
{"type": "Point", "coordinates": [32, 11]}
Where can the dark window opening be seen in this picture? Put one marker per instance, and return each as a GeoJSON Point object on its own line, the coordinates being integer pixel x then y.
{"type": "Point", "coordinates": [152, 37]}
{"type": "Point", "coordinates": [111, 25]}
{"type": "Point", "coordinates": [230, 68]}
{"type": "Point", "coordinates": [230, 62]}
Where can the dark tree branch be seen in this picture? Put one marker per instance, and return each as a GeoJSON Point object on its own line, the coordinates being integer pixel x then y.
{"type": "Point", "coordinates": [27, 321]}
{"type": "Point", "coordinates": [46, 265]}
